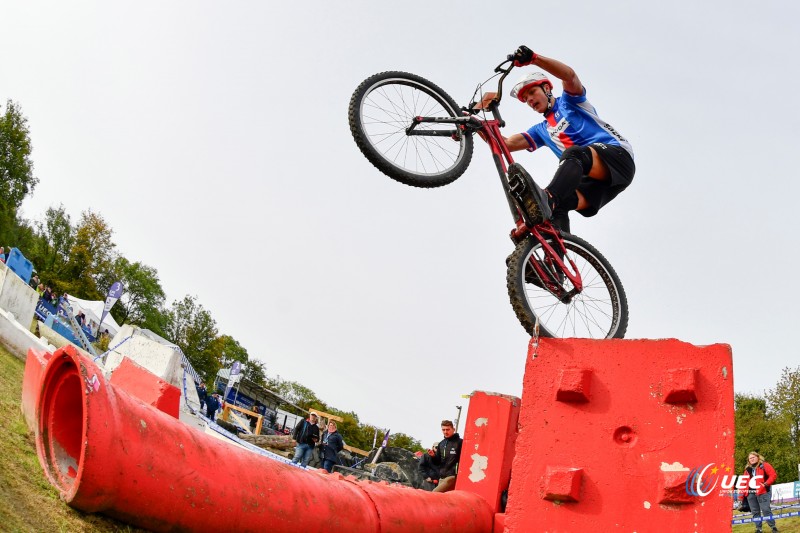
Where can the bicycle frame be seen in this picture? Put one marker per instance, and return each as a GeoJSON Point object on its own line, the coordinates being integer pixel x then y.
{"type": "Point", "coordinates": [489, 131]}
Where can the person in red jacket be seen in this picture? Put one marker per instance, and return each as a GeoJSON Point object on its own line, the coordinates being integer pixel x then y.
{"type": "Point", "coordinates": [759, 497]}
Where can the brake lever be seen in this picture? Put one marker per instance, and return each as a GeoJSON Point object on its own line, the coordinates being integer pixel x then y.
{"type": "Point", "coordinates": [499, 68]}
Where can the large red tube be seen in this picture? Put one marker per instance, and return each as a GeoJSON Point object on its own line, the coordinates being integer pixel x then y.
{"type": "Point", "coordinates": [106, 451]}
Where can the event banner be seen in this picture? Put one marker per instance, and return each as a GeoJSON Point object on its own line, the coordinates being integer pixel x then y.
{"type": "Point", "coordinates": [113, 295]}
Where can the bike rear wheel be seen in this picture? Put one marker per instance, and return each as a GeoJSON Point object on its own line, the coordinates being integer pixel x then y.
{"type": "Point", "coordinates": [380, 111]}
{"type": "Point", "coordinates": [599, 311]}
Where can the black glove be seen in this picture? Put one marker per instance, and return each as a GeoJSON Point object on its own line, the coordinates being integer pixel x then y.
{"type": "Point", "coordinates": [524, 56]}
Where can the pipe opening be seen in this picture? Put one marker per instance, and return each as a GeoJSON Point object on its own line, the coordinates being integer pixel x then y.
{"type": "Point", "coordinates": [61, 425]}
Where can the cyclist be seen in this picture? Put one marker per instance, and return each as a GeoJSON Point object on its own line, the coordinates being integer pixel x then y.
{"type": "Point", "coordinates": [596, 162]}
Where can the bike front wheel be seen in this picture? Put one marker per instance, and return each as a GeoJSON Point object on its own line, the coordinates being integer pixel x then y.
{"type": "Point", "coordinates": [599, 311]}
{"type": "Point", "coordinates": [384, 106]}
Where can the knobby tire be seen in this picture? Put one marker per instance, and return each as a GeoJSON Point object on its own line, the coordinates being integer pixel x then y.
{"type": "Point", "coordinates": [383, 107]}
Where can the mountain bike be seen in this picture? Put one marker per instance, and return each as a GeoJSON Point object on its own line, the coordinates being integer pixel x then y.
{"type": "Point", "coordinates": [414, 132]}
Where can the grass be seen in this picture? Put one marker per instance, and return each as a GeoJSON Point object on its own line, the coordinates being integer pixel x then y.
{"type": "Point", "coordinates": [27, 500]}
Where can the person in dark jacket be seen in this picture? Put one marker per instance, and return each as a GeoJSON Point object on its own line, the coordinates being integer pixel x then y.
{"type": "Point", "coordinates": [212, 405]}
{"type": "Point", "coordinates": [759, 497]}
{"type": "Point", "coordinates": [306, 435]}
{"type": "Point", "coordinates": [332, 444]}
{"type": "Point", "coordinates": [202, 394]}
{"type": "Point", "coordinates": [447, 457]}
{"type": "Point", "coordinates": [429, 471]}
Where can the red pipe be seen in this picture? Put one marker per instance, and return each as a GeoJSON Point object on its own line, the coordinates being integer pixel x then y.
{"type": "Point", "coordinates": [106, 451]}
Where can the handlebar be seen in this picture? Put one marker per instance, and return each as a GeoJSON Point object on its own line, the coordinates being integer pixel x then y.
{"type": "Point", "coordinates": [503, 68]}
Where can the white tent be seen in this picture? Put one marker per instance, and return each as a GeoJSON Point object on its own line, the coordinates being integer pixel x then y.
{"type": "Point", "coordinates": [93, 311]}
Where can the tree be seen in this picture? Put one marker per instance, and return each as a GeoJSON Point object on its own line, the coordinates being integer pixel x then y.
{"type": "Point", "coordinates": [142, 295]}
{"type": "Point", "coordinates": [91, 258]}
{"type": "Point", "coordinates": [784, 405]}
{"type": "Point", "coordinates": [229, 350]}
{"type": "Point", "coordinates": [192, 328]}
{"type": "Point", "coordinates": [758, 430]}
{"type": "Point", "coordinates": [256, 372]}
{"type": "Point", "coordinates": [16, 168]}
{"type": "Point", "coordinates": [295, 393]}
{"type": "Point", "coordinates": [52, 244]}
{"type": "Point", "coordinates": [401, 440]}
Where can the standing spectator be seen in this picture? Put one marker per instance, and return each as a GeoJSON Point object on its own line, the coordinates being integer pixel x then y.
{"type": "Point", "coordinates": [47, 295]}
{"type": "Point", "coordinates": [202, 393]}
{"type": "Point", "coordinates": [759, 498]}
{"type": "Point", "coordinates": [306, 435]}
{"type": "Point", "coordinates": [34, 282]}
{"type": "Point", "coordinates": [332, 444]}
{"type": "Point", "coordinates": [429, 471]}
{"type": "Point", "coordinates": [40, 289]}
{"type": "Point", "coordinates": [212, 406]}
{"type": "Point", "coordinates": [2, 255]}
{"type": "Point", "coordinates": [447, 457]}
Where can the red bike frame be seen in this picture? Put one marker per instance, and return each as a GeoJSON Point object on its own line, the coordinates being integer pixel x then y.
{"type": "Point", "coordinates": [544, 232]}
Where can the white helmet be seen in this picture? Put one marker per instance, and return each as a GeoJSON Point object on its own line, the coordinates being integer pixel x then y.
{"type": "Point", "coordinates": [527, 81]}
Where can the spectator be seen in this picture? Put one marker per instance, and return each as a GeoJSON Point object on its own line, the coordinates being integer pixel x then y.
{"type": "Point", "coordinates": [332, 444]}
{"type": "Point", "coordinates": [447, 456]}
{"type": "Point", "coordinates": [202, 394]}
{"type": "Point", "coordinates": [2, 255]}
{"type": "Point", "coordinates": [759, 498]}
{"type": "Point", "coordinates": [40, 289]}
{"type": "Point", "coordinates": [306, 435]}
{"type": "Point", "coordinates": [47, 295]}
{"type": "Point", "coordinates": [80, 318]}
{"type": "Point", "coordinates": [34, 282]}
{"type": "Point", "coordinates": [212, 406]}
{"type": "Point", "coordinates": [429, 471]}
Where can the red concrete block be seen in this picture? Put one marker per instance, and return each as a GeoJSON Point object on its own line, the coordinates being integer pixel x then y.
{"type": "Point", "coordinates": [499, 523]}
{"type": "Point", "coordinates": [105, 451]}
{"type": "Point", "coordinates": [680, 385]}
{"type": "Point", "coordinates": [634, 448]}
{"type": "Point", "coordinates": [562, 484]}
{"type": "Point", "coordinates": [488, 448]}
{"type": "Point", "coordinates": [672, 488]}
{"type": "Point", "coordinates": [574, 385]}
{"type": "Point", "coordinates": [32, 382]}
{"type": "Point", "coordinates": [148, 387]}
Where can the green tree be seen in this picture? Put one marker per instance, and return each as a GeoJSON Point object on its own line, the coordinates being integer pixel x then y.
{"type": "Point", "coordinates": [256, 372]}
{"type": "Point", "coordinates": [53, 241]}
{"type": "Point", "coordinates": [143, 294]}
{"type": "Point", "coordinates": [91, 258]}
{"type": "Point", "coordinates": [784, 405]}
{"type": "Point", "coordinates": [229, 350]}
{"type": "Point", "coordinates": [401, 440]}
{"type": "Point", "coordinates": [192, 328]}
{"type": "Point", "coordinates": [16, 169]}
{"type": "Point", "coordinates": [758, 430]}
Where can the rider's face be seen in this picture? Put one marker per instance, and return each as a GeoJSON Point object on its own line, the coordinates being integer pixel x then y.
{"type": "Point", "coordinates": [536, 98]}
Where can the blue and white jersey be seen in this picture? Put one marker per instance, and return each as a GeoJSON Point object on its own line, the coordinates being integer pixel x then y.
{"type": "Point", "coordinates": [573, 121]}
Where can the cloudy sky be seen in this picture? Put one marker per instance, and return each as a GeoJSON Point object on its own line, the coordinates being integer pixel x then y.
{"type": "Point", "coordinates": [213, 138]}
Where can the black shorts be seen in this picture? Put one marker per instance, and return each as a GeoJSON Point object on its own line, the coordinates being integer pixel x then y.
{"type": "Point", "coordinates": [598, 193]}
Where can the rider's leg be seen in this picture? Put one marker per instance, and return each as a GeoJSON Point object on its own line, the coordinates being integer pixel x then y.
{"type": "Point", "coordinates": [576, 163]}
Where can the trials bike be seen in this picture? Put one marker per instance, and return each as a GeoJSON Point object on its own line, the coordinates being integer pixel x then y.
{"type": "Point", "coordinates": [413, 131]}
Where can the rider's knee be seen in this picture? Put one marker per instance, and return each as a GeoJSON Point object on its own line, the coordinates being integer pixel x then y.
{"type": "Point", "coordinates": [580, 154]}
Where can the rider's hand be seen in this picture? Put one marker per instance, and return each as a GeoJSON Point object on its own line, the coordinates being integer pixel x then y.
{"type": "Point", "coordinates": [524, 56]}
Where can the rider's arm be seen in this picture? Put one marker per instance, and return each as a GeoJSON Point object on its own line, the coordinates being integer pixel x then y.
{"type": "Point", "coordinates": [572, 84]}
{"type": "Point", "coordinates": [517, 142]}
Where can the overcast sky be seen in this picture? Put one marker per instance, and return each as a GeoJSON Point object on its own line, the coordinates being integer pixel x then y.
{"type": "Point", "coordinates": [213, 139]}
